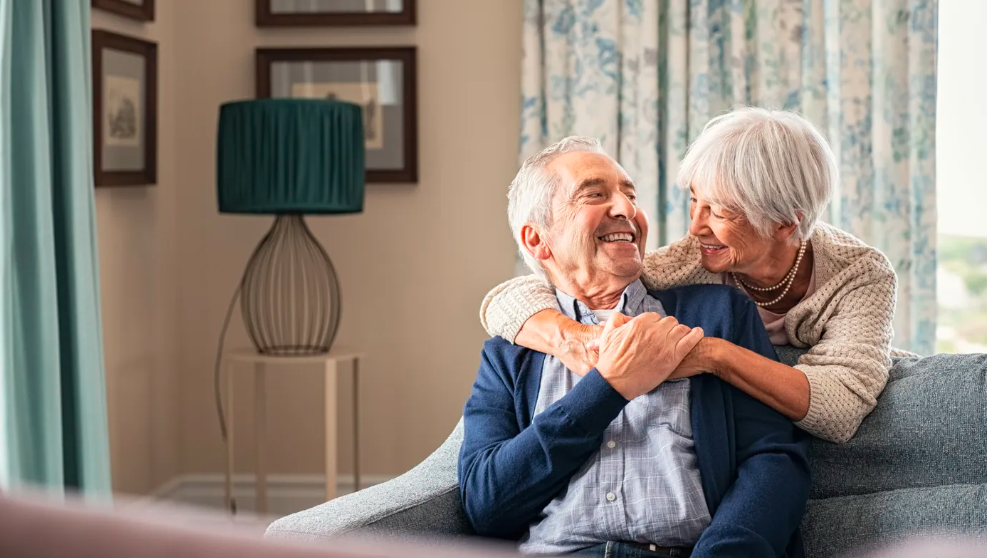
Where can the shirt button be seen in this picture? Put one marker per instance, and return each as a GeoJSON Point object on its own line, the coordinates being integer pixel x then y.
{"type": "Point", "coordinates": [611, 444]}
{"type": "Point", "coordinates": [611, 497]}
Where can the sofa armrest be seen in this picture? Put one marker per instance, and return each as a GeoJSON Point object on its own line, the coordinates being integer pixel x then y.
{"type": "Point", "coordinates": [425, 500]}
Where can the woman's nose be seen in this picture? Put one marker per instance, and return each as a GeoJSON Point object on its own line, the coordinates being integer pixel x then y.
{"type": "Point", "coordinates": [699, 220]}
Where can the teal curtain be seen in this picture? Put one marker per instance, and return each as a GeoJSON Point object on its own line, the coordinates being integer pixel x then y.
{"type": "Point", "coordinates": [645, 76]}
{"type": "Point", "coordinates": [53, 427]}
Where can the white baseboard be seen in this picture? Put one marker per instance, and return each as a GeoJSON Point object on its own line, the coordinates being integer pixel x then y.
{"type": "Point", "coordinates": [286, 494]}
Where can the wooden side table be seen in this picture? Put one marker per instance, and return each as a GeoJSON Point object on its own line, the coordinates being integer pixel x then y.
{"type": "Point", "coordinates": [330, 365]}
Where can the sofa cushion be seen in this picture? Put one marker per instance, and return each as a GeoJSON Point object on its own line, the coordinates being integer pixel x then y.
{"type": "Point", "coordinates": [929, 429]}
{"type": "Point", "coordinates": [856, 524]}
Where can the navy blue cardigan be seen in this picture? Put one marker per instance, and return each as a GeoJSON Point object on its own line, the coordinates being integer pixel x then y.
{"type": "Point", "coordinates": [752, 460]}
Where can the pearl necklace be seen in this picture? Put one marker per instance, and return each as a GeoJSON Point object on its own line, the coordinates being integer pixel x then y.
{"type": "Point", "coordinates": [787, 281]}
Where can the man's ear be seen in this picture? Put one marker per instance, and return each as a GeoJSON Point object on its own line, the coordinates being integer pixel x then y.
{"type": "Point", "coordinates": [534, 243]}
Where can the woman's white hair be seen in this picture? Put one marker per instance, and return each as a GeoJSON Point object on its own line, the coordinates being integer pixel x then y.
{"type": "Point", "coordinates": [773, 167]}
{"type": "Point", "coordinates": [529, 201]}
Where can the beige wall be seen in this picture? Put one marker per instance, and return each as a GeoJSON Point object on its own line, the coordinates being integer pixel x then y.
{"type": "Point", "coordinates": [414, 265]}
{"type": "Point", "coordinates": [139, 292]}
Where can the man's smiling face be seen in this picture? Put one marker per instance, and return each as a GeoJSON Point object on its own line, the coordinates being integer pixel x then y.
{"type": "Point", "coordinates": [597, 230]}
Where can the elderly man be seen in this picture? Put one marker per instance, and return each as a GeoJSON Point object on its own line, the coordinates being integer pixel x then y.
{"type": "Point", "coordinates": [625, 460]}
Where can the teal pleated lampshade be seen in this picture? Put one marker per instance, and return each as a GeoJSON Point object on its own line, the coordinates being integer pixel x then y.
{"type": "Point", "coordinates": [290, 156]}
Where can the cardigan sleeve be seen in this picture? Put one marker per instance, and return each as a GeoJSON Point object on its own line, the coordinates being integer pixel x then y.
{"type": "Point", "coordinates": [848, 368]}
{"type": "Point", "coordinates": [508, 473]}
{"type": "Point", "coordinates": [505, 308]}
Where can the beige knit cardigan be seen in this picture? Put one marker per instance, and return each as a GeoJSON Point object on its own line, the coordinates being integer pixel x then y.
{"type": "Point", "coordinates": [846, 323]}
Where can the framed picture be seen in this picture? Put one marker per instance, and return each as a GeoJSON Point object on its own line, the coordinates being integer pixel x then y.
{"type": "Point", "coordinates": [125, 110]}
{"type": "Point", "coordinates": [381, 80]}
{"type": "Point", "coordinates": [327, 13]}
{"type": "Point", "coordinates": [141, 10]}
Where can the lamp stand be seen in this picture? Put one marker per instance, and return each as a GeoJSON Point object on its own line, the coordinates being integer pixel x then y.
{"type": "Point", "coordinates": [291, 297]}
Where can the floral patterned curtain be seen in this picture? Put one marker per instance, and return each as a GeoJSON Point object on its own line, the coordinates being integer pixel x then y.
{"type": "Point", "coordinates": [644, 76]}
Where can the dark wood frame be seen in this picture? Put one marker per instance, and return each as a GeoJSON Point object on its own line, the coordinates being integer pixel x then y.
{"type": "Point", "coordinates": [265, 57]}
{"type": "Point", "coordinates": [149, 51]}
{"type": "Point", "coordinates": [144, 12]}
{"type": "Point", "coordinates": [265, 18]}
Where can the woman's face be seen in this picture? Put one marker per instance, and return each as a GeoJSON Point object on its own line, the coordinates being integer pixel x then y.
{"type": "Point", "coordinates": [729, 242]}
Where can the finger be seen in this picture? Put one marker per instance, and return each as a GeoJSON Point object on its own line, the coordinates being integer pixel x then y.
{"type": "Point", "coordinates": [678, 332]}
{"type": "Point", "coordinates": [613, 322]}
{"type": "Point", "coordinates": [621, 318]}
{"type": "Point", "coordinates": [689, 341]}
{"type": "Point", "coordinates": [665, 325]}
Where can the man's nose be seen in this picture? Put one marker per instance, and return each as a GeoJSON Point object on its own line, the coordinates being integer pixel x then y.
{"type": "Point", "coordinates": [622, 208]}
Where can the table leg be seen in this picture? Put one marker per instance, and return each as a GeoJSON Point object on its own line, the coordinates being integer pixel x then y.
{"type": "Point", "coordinates": [330, 388]}
{"type": "Point", "coordinates": [260, 433]}
{"type": "Point", "coordinates": [356, 425]}
{"type": "Point", "coordinates": [229, 437]}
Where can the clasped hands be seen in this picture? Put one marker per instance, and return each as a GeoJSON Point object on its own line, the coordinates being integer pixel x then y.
{"type": "Point", "coordinates": [634, 355]}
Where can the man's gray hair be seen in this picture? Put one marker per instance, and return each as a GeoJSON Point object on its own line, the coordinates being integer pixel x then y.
{"type": "Point", "coordinates": [530, 198]}
{"type": "Point", "coordinates": [767, 165]}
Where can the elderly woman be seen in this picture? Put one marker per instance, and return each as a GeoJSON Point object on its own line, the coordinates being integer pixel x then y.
{"type": "Point", "coordinates": [759, 180]}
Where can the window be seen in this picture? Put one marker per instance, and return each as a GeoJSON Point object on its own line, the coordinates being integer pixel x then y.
{"type": "Point", "coordinates": [961, 160]}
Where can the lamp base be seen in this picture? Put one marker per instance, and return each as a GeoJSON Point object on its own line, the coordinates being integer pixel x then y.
{"type": "Point", "coordinates": [291, 297]}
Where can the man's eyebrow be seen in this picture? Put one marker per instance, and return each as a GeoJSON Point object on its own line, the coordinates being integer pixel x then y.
{"type": "Point", "coordinates": [590, 182]}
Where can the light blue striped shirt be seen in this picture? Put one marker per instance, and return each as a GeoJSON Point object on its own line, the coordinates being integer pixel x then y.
{"type": "Point", "coordinates": [643, 484]}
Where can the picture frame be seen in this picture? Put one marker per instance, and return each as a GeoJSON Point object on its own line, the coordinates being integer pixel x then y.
{"type": "Point", "coordinates": [125, 110]}
{"type": "Point", "coordinates": [300, 13]}
{"type": "Point", "coordinates": [383, 80]}
{"type": "Point", "coordinates": [141, 10]}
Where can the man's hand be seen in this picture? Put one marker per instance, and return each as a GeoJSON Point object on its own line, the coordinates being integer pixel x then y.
{"type": "Point", "coordinates": [637, 355]}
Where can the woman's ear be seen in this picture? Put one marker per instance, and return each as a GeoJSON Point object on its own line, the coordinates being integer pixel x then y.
{"type": "Point", "coordinates": [534, 243]}
{"type": "Point", "coordinates": [785, 231]}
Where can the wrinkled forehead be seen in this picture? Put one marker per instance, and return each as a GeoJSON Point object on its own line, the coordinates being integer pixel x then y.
{"type": "Point", "coordinates": [578, 169]}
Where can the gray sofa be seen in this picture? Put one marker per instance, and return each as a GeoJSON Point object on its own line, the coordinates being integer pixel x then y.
{"type": "Point", "coordinates": [918, 464]}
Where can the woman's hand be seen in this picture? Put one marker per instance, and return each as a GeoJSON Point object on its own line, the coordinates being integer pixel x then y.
{"type": "Point", "coordinates": [552, 332]}
{"type": "Point", "coordinates": [698, 361]}
{"type": "Point", "coordinates": [579, 348]}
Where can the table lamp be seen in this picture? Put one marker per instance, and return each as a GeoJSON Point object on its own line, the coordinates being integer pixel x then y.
{"type": "Point", "coordinates": [290, 158]}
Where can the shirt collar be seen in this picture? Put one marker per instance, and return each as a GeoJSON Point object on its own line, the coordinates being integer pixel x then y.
{"type": "Point", "coordinates": [629, 305]}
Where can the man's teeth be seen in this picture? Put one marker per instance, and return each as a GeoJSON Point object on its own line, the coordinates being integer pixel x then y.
{"type": "Point", "coordinates": [618, 237]}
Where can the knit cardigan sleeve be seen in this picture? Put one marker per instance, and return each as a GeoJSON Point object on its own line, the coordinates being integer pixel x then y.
{"type": "Point", "coordinates": [505, 308]}
{"type": "Point", "coordinates": [848, 367]}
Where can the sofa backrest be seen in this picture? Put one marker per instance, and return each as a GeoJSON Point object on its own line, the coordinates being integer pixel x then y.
{"type": "Point", "coordinates": [929, 429]}
{"type": "Point", "coordinates": [917, 464]}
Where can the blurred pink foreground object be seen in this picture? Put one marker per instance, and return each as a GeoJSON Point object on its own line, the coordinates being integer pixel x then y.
{"type": "Point", "coordinates": [32, 526]}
